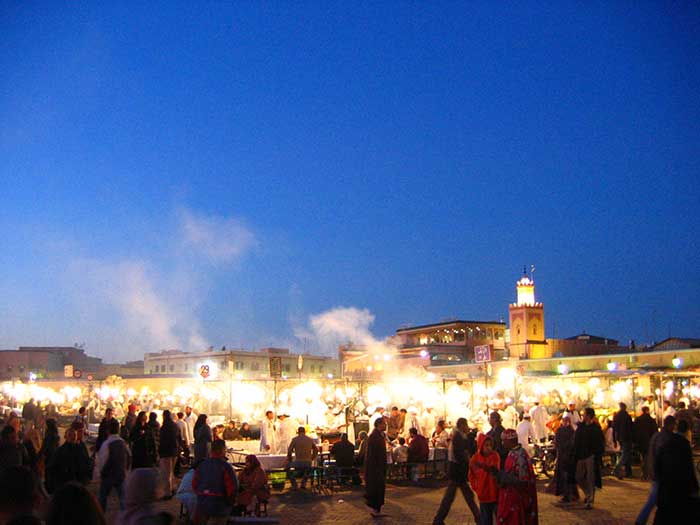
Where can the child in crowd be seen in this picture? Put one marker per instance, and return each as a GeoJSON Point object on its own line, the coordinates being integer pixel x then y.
{"type": "Point", "coordinates": [481, 479]}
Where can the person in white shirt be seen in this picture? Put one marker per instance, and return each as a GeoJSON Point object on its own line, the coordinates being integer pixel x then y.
{"type": "Point", "coordinates": [538, 418]}
{"type": "Point", "coordinates": [510, 417]}
{"type": "Point", "coordinates": [268, 433]}
{"type": "Point", "coordinates": [286, 431]}
{"type": "Point", "coordinates": [190, 420]}
{"type": "Point", "coordinates": [427, 422]}
{"type": "Point", "coordinates": [441, 438]}
{"type": "Point", "coordinates": [400, 452]}
{"type": "Point", "coordinates": [526, 431]}
{"type": "Point", "coordinates": [411, 421]}
{"type": "Point", "coordinates": [573, 414]}
{"type": "Point", "coordinates": [378, 414]}
{"type": "Point", "coordinates": [668, 409]}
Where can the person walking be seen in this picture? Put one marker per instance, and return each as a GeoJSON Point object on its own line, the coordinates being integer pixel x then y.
{"type": "Point", "coordinates": [517, 495]}
{"type": "Point", "coordinates": [457, 468]}
{"type": "Point", "coordinates": [565, 469]}
{"type": "Point", "coordinates": [677, 491]}
{"type": "Point", "coordinates": [589, 445]}
{"type": "Point", "coordinates": [481, 477]}
{"type": "Point", "coordinates": [657, 441]}
{"type": "Point", "coordinates": [495, 434]}
{"type": "Point", "coordinates": [539, 417]}
{"type": "Point", "coordinates": [644, 429]}
{"type": "Point", "coordinates": [168, 452]}
{"type": "Point", "coordinates": [143, 444]}
{"type": "Point", "coordinates": [113, 460]}
{"type": "Point", "coordinates": [623, 433]}
{"type": "Point", "coordinates": [375, 468]}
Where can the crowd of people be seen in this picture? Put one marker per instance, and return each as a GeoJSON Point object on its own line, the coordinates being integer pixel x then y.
{"type": "Point", "coordinates": [136, 458]}
{"type": "Point", "coordinates": [498, 471]}
{"type": "Point", "coordinates": [139, 458]}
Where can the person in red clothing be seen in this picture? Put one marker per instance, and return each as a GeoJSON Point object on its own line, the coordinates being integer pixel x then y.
{"type": "Point", "coordinates": [482, 480]}
{"type": "Point", "coordinates": [517, 496]}
{"type": "Point", "coordinates": [418, 451]}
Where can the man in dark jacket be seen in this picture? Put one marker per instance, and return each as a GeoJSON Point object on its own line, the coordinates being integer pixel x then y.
{"type": "Point", "coordinates": [678, 485]}
{"type": "Point", "coordinates": [168, 451]}
{"type": "Point", "coordinates": [70, 462]}
{"type": "Point", "coordinates": [589, 445]}
{"type": "Point", "coordinates": [112, 464]}
{"type": "Point", "coordinates": [30, 411]}
{"type": "Point", "coordinates": [343, 452]}
{"type": "Point", "coordinates": [644, 428]}
{"type": "Point", "coordinates": [623, 433]}
{"type": "Point", "coordinates": [457, 470]}
{"type": "Point", "coordinates": [102, 430]}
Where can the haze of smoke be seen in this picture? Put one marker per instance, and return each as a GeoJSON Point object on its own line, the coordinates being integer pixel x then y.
{"type": "Point", "coordinates": [220, 239]}
{"type": "Point", "coordinates": [346, 324]}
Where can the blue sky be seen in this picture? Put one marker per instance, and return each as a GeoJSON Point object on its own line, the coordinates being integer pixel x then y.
{"type": "Point", "coordinates": [225, 174]}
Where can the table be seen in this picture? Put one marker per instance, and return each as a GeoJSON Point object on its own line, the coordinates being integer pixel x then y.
{"type": "Point", "coordinates": [249, 447]}
{"type": "Point", "coordinates": [267, 461]}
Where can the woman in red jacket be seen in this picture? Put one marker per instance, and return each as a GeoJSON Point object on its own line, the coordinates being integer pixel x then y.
{"type": "Point", "coordinates": [482, 480]}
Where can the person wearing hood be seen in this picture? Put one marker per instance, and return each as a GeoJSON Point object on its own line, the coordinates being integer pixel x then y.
{"type": "Point", "coordinates": [517, 496]}
{"type": "Point", "coordinates": [143, 490]}
{"type": "Point", "coordinates": [482, 481]}
{"type": "Point", "coordinates": [458, 465]}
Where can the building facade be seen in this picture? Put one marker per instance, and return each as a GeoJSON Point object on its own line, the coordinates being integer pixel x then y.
{"type": "Point", "coordinates": [240, 364]}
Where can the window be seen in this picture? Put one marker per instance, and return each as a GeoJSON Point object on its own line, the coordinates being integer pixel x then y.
{"type": "Point", "coordinates": [186, 367]}
{"type": "Point", "coordinates": [255, 366]}
{"type": "Point", "coordinates": [287, 368]}
{"type": "Point", "coordinates": [172, 368]}
{"type": "Point", "coordinates": [313, 368]}
{"type": "Point", "coordinates": [534, 329]}
{"type": "Point", "coordinates": [239, 365]}
{"type": "Point", "coordinates": [320, 369]}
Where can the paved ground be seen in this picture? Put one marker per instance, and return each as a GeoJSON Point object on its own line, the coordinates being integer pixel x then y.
{"type": "Point", "coordinates": [617, 504]}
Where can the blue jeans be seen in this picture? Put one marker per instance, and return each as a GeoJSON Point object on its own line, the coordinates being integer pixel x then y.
{"type": "Point", "coordinates": [649, 505]}
{"type": "Point", "coordinates": [625, 459]}
{"type": "Point", "coordinates": [106, 487]}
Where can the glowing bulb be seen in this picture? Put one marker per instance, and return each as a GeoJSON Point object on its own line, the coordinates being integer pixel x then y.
{"type": "Point", "coordinates": [612, 366]}
{"type": "Point", "coordinates": [677, 362]}
{"type": "Point", "coordinates": [562, 369]}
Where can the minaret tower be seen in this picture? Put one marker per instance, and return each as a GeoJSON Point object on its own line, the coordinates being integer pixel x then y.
{"type": "Point", "coordinates": [526, 320]}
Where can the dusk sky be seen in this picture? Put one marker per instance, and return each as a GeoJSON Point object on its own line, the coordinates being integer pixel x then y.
{"type": "Point", "coordinates": [296, 174]}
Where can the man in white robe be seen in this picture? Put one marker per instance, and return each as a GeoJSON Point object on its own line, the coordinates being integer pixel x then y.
{"type": "Point", "coordinates": [268, 433]}
{"type": "Point", "coordinates": [525, 432]}
{"type": "Point", "coordinates": [539, 417]}
{"type": "Point", "coordinates": [286, 431]}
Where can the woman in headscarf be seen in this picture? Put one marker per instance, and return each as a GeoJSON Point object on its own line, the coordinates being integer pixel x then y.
{"type": "Point", "coordinates": [565, 470]}
{"type": "Point", "coordinates": [202, 439]}
{"type": "Point", "coordinates": [252, 484]}
{"type": "Point", "coordinates": [143, 490]}
{"type": "Point", "coordinates": [517, 497]}
{"type": "Point", "coordinates": [143, 444]}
